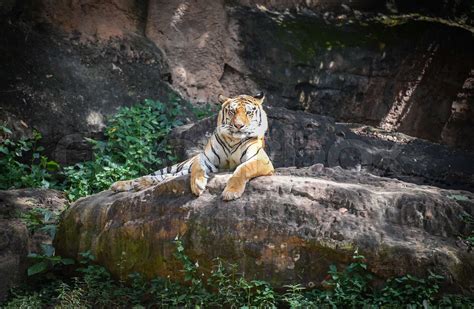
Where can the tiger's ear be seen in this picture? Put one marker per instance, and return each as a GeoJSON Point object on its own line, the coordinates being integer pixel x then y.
{"type": "Point", "coordinates": [260, 97]}
{"type": "Point", "coordinates": [222, 98]}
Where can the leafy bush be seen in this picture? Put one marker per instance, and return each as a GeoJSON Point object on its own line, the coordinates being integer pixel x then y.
{"type": "Point", "coordinates": [134, 146]}
{"type": "Point", "coordinates": [43, 220]}
{"type": "Point", "coordinates": [204, 111]}
{"type": "Point", "coordinates": [351, 287]}
{"type": "Point", "coordinates": [14, 172]}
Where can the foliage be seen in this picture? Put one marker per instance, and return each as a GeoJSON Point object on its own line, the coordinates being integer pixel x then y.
{"type": "Point", "coordinates": [410, 290]}
{"type": "Point", "coordinates": [351, 287]}
{"type": "Point", "coordinates": [134, 146]}
{"type": "Point", "coordinates": [348, 288]}
{"type": "Point", "coordinates": [40, 219]}
{"type": "Point", "coordinates": [469, 239]}
{"type": "Point", "coordinates": [46, 261]}
{"type": "Point", "coordinates": [204, 111]}
{"type": "Point", "coordinates": [14, 172]}
{"type": "Point", "coordinates": [44, 221]}
{"type": "Point", "coordinates": [24, 301]}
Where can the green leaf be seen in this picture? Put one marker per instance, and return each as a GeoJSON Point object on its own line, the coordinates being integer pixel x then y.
{"type": "Point", "coordinates": [6, 130]}
{"type": "Point", "coordinates": [37, 268]}
{"type": "Point", "coordinates": [52, 166]}
{"type": "Point", "coordinates": [67, 261]}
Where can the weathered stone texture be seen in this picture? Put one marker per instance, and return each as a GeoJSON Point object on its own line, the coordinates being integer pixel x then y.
{"type": "Point", "coordinates": [286, 228]}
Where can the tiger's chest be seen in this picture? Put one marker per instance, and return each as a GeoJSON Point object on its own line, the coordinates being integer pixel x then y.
{"type": "Point", "coordinates": [232, 163]}
{"type": "Point", "coordinates": [237, 154]}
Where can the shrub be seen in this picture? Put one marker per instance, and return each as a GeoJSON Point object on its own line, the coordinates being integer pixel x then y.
{"type": "Point", "coordinates": [135, 145]}
{"type": "Point", "coordinates": [14, 172]}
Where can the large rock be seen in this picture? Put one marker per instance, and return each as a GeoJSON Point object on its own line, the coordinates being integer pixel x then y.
{"type": "Point", "coordinates": [296, 138]}
{"type": "Point", "coordinates": [286, 228]}
{"type": "Point", "coordinates": [16, 241]}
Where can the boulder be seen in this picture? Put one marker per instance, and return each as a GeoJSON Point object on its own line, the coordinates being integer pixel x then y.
{"type": "Point", "coordinates": [286, 228]}
{"type": "Point", "coordinates": [297, 138]}
{"type": "Point", "coordinates": [16, 241]}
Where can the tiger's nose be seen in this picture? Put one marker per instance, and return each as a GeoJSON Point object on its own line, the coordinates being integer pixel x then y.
{"type": "Point", "coordinates": [239, 125]}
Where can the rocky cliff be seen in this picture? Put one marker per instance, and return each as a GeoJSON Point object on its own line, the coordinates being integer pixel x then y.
{"type": "Point", "coordinates": [66, 66]}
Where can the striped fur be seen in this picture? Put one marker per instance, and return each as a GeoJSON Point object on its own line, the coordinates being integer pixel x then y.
{"type": "Point", "coordinates": [236, 144]}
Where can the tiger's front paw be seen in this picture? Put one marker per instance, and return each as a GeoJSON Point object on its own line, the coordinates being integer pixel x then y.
{"type": "Point", "coordinates": [119, 186]}
{"type": "Point", "coordinates": [198, 185]}
{"type": "Point", "coordinates": [232, 193]}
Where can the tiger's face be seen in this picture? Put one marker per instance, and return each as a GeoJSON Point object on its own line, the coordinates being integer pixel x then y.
{"type": "Point", "coordinates": [242, 116]}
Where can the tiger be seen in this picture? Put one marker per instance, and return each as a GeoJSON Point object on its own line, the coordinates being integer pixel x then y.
{"type": "Point", "coordinates": [237, 144]}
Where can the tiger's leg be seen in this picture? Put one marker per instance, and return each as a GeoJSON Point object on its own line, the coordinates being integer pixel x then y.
{"type": "Point", "coordinates": [200, 171]}
{"type": "Point", "coordinates": [128, 185]}
{"type": "Point", "coordinates": [147, 181]}
{"type": "Point", "coordinates": [204, 164]}
{"type": "Point", "coordinates": [198, 178]}
{"type": "Point", "coordinates": [138, 184]}
{"type": "Point", "coordinates": [259, 165]}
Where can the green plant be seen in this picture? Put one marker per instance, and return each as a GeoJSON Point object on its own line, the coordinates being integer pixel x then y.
{"type": "Point", "coordinates": [40, 219]}
{"type": "Point", "coordinates": [204, 111]}
{"type": "Point", "coordinates": [70, 295]}
{"type": "Point", "coordinates": [196, 292]}
{"type": "Point", "coordinates": [409, 290]}
{"type": "Point", "coordinates": [233, 290]}
{"type": "Point", "coordinates": [46, 261]}
{"type": "Point", "coordinates": [97, 281]}
{"type": "Point", "coordinates": [135, 145]}
{"type": "Point", "coordinates": [26, 301]}
{"type": "Point", "coordinates": [469, 239]}
{"type": "Point", "coordinates": [21, 162]}
{"type": "Point", "coordinates": [43, 220]}
{"type": "Point", "coordinates": [350, 287]}
{"type": "Point", "coordinates": [295, 298]}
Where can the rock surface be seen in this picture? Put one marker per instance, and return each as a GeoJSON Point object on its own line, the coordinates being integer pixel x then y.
{"type": "Point", "coordinates": [399, 78]}
{"type": "Point", "coordinates": [16, 242]}
{"type": "Point", "coordinates": [296, 138]}
{"type": "Point", "coordinates": [286, 228]}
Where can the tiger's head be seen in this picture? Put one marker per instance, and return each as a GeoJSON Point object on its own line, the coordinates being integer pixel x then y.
{"type": "Point", "coordinates": [242, 116]}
